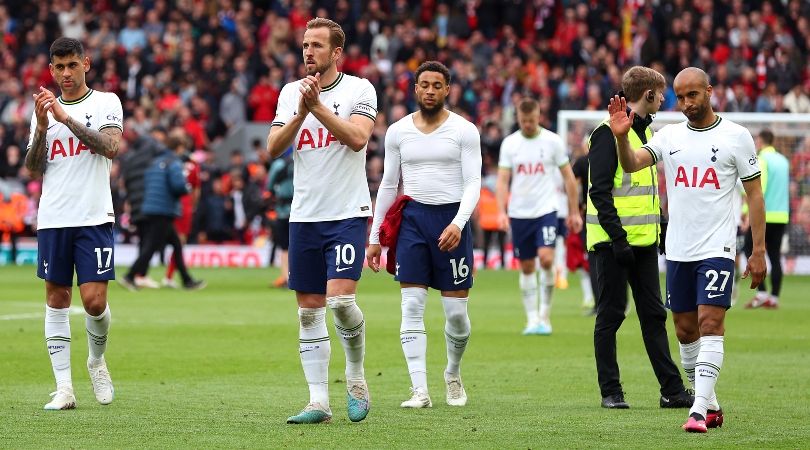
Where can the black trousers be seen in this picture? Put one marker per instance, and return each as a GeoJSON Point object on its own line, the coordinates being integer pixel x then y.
{"type": "Point", "coordinates": [610, 280]}
{"type": "Point", "coordinates": [501, 236]}
{"type": "Point", "coordinates": [773, 241]}
{"type": "Point", "coordinates": [159, 231]}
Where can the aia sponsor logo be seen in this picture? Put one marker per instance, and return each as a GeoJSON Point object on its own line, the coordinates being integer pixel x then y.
{"type": "Point", "coordinates": [706, 179]}
{"type": "Point", "coordinates": [531, 169]}
{"type": "Point", "coordinates": [307, 139]}
{"type": "Point", "coordinates": [74, 147]}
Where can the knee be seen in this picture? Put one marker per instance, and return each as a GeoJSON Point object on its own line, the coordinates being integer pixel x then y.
{"type": "Point", "coordinates": [341, 304]}
{"type": "Point", "coordinates": [686, 333]}
{"type": "Point", "coordinates": [413, 303]}
{"type": "Point", "coordinates": [58, 298]}
{"type": "Point", "coordinates": [547, 260]}
{"type": "Point", "coordinates": [455, 313]}
{"type": "Point", "coordinates": [311, 317]}
{"type": "Point", "coordinates": [711, 327]}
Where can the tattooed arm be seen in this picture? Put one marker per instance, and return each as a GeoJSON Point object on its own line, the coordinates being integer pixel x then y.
{"type": "Point", "coordinates": [35, 159]}
{"type": "Point", "coordinates": [105, 142]}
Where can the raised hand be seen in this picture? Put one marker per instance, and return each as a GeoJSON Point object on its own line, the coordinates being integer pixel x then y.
{"type": "Point", "coordinates": [620, 122]}
{"type": "Point", "coordinates": [311, 90]}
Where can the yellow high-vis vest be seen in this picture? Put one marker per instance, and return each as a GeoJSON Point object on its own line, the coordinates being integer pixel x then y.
{"type": "Point", "coordinates": [635, 196]}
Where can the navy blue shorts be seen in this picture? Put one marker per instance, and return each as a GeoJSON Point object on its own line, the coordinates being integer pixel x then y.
{"type": "Point", "coordinates": [706, 282]}
{"type": "Point", "coordinates": [530, 234]}
{"type": "Point", "coordinates": [562, 230]}
{"type": "Point", "coordinates": [419, 260]}
{"type": "Point", "coordinates": [89, 249]}
{"type": "Point", "coordinates": [321, 251]}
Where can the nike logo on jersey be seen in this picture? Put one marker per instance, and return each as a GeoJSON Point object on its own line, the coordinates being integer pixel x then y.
{"type": "Point", "coordinates": [714, 295]}
{"type": "Point", "coordinates": [341, 269]}
{"type": "Point", "coordinates": [457, 282]}
{"type": "Point", "coordinates": [100, 272]}
{"type": "Point", "coordinates": [672, 153]}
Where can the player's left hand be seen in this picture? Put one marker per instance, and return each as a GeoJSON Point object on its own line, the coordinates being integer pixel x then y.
{"type": "Point", "coordinates": [311, 90]}
{"type": "Point", "coordinates": [756, 268]}
{"type": "Point", "coordinates": [450, 238]}
{"type": "Point", "coordinates": [574, 223]}
{"type": "Point", "coordinates": [55, 107]}
{"type": "Point", "coordinates": [373, 253]}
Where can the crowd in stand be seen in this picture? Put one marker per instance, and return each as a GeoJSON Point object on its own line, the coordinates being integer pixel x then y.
{"type": "Point", "coordinates": [207, 66]}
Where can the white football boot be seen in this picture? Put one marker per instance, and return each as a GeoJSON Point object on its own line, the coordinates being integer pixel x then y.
{"type": "Point", "coordinates": [63, 398]}
{"type": "Point", "coordinates": [456, 395]}
{"type": "Point", "coordinates": [419, 399]}
{"type": "Point", "coordinates": [100, 378]}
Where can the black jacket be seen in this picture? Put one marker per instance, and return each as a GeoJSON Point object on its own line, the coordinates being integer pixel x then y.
{"type": "Point", "coordinates": [133, 167]}
{"type": "Point", "coordinates": [603, 160]}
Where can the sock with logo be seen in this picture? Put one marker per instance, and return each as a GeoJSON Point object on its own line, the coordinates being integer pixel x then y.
{"type": "Point", "coordinates": [97, 329]}
{"type": "Point", "coordinates": [456, 331]}
{"type": "Point", "coordinates": [412, 335]}
{"type": "Point", "coordinates": [528, 290]}
{"type": "Point", "coordinates": [57, 338]}
{"type": "Point", "coordinates": [351, 328]}
{"type": "Point", "coordinates": [315, 350]}
{"type": "Point", "coordinates": [707, 370]}
{"type": "Point", "coordinates": [546, 289]}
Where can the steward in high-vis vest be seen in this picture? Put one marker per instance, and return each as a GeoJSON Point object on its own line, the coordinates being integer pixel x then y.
{"type": "Point", "coordinates": [623, 225]}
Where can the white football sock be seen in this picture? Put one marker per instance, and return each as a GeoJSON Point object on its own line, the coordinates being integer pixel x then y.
{"type": "Point", "coordinates": [707, 370]}
{"type": "Point", "coordinates": [456, 331]}
{"type": "Point", "coordinates": [689, 354]}
{"type": "Point", "coordinates": [528, 289]}
{"type": "Point", "coordinates": [57, 339]}
{"type": "Point", "coordinates": [412, 335]}
{"type": "Point", "coordinates": [315, 350]}
{"type": "Point", "coordinates": [587, 289]}
{"type": "Point", "coordinates": [559, 257]}
{"type": "Point", "coordinates": [351, 328]}
{"type": "Point", "coordinates": [97, 329]}
{"type": "Point", "coordinates": [546, 288]}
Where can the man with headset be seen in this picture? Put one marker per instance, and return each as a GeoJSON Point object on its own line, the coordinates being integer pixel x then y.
{"type": "Point", "coordinates": [624, 233]}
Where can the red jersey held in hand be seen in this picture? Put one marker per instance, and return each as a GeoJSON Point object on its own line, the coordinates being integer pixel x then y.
{"type": "Point", "coordinates": [389, 231]}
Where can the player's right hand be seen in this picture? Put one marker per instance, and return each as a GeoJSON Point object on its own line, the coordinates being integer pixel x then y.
{"type": "Point", "coordinates": [373, 253]}
{"type": "Point", "coordinates": [43, 100]}
{"type": "Point", "coordinates": [620, 122]}
{"type": "Point", "coordinates": [503, 222]}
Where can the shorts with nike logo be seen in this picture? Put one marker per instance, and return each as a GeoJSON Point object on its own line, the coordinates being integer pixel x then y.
{"type": "Point", "coordinates": [321, 251]}
{"type": "Point", "coordinates": [705, 282]}
{"type": "Point", "coordinates": [90, 249]}
{"type": "Point", "coordinates": [419, 260]}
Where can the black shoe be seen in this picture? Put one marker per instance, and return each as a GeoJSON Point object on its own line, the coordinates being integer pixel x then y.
{"type": "Point", "coordinates": [615, 401]}
{"type": "Point", "coordinates": [194, 285]}
{"type": "Point", "coordinates": [683, 400]}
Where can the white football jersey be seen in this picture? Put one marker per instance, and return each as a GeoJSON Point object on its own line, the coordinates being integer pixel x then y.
{"type": "Point", "coordinates": [329, 178]}
{"type": "Point", "coordinates": [76, 182]}
{"type": "Point", "coordinates": [439, 168]}
{"type": "Point", "coordinates": [702, 167]}
{"type": "Point", "coordinates": [533, 162]}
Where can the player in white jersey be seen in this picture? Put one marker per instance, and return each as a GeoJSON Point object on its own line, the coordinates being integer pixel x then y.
{"type": "Point", "coordinates": [529, 157]}
{"type": "Point", "coordinates": [327, 118]}
{"type": "Point", "coordinates": [703, 158]}
{"type": "Point", "coordinates": [438, 154]}
{"type": "Point", "coordinates": [73, 139]}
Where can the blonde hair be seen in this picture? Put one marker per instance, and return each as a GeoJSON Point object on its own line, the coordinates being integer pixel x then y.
{"type": "Point", "coordinates": [337, 38]}
{"type": "Point", "coordinates": [638, 80]}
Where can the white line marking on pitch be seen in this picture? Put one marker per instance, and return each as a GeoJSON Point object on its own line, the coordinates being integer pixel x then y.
{"type": "Point", "coordinates": [74, 310]}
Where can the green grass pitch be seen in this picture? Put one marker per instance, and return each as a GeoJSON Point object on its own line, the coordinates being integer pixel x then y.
{"type": "Point", "coordinates": [220, 368]}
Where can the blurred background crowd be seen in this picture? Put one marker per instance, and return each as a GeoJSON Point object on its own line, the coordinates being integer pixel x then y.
{"type": "Point", "coordinates": [203, 68]}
